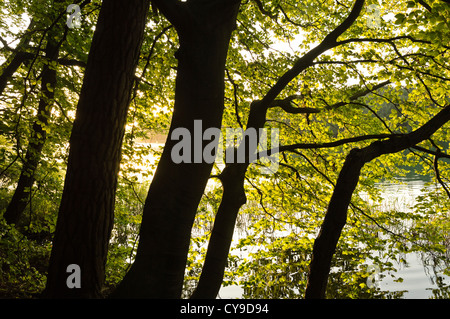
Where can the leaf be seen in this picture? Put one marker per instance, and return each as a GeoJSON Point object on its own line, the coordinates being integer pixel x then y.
{"type": "Point", "coordinates": [399, 18]}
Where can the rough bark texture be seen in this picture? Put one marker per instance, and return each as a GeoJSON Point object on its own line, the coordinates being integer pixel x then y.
{"type": "Point", "coordinates": [336, 216]}
{"type": "Point", "coordinates": [204, 29]}
{"type": "Point", "coordinates": [86, 213]}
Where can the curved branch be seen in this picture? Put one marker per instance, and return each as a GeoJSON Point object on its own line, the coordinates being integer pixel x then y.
{"type": "Point", "coordinates": [435, 153]}
{"type": "Point", "coordinates": [306, 61]}
{"type": "Point", "coordinates": [388, 40]}
{"type": "Point", "coordinates": [286, 105]}
{"type": "Point", "coordinates": [263, 10]}
{"type": "Point", "coordinates": [359, 94]}
{"type": "Point", "coordinates": [438, 176]}
{"type": "Point", "coordinates": [305, 146]}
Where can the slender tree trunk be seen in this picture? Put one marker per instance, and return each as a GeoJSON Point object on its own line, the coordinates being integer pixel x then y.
{"type": "Point", "coordinates": [204, 32]}
{"type": "Point", "coordinates": [38, 137]}
{"type": "Point", "coordinates": [336, 216]}
{"type": "Point", "coordinates": [233, 198]}
{"type": "Point", "coordinates": [86, 212]}
{"type": "Point", "coordinates": [335, 219]}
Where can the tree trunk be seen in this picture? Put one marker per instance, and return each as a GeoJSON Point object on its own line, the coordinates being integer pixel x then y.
{"type": "Point", "coordinates": [336, 216]}
{"type": "Point", "coordinates": [335, 219]}
{"type": "Point", "coordinates": [204, 32]}
{"type": "Point", "coordinates": [86, 212]}
{"type": "Point", "coordinates": [233, 198]}
{"type": "Point", "coordinates": [38, 137]}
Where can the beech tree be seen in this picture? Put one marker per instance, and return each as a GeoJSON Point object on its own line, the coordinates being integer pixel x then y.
{"type": "Point", "coordinates": [95, 147]}
{"type": "Point", "coordinates": [216, 258]}
{"type": "Point", "coordinates": [358, 90]}
{"type": "Point", "coordinates": [204, 29]}
{"type": "Point", "coordinates": [326, 242]}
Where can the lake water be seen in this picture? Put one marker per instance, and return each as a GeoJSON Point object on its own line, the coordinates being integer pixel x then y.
{"type": "Point", "coordinates": [417, 282]}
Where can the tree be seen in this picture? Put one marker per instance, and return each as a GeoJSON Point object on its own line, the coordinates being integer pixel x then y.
{"type": "Point", "coordinates": [54, 33]}
{"type": "Point", "coordinates": [336, 216]}
{"type": "Point", "coordinates": [204, 29]}
{"type": "Point", "coordinates": [86, 211]}
{"type": "Point", "coordinates": [21, 195]}
{"type": "Point", "coordinates": [16, 59]}
{"type": "Point", "coordinates": [233, 176]}
{"type": "Point", "coordinates": [161, 257]}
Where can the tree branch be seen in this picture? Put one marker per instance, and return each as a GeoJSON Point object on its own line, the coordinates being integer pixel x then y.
{"type": "Point", "coordinates": [296, 146]}
{"type": "Point", "coordinates": [438, 175]}
{"type": "Point", "coordinates": [236, 99]}
{"type": "Point", "coordinates": [423, 149]}
{"type": "Point", "coordinates": [359, 94]}
{"type": "Point", "coordinates": [336, 215]}
{"type": "Point", "coordinates": [263, 10]}
{"type": "Point", "coordinates": [71, 62]}
{"type": "Point", "coordinates": [425, 5]}
{"type": "Point", "coordinates": [388, 40]}
{"type": "Point", "coordinates": [286, 105]}
{"type": "Point", "coordinates": [305, 61]}
{"type": "Point", "coordinates": [293, 22]}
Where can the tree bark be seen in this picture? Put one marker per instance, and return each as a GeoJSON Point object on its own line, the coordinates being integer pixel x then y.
{"type": "Point", "coordinates": [204, 29]}
{"type": "Point", "coordinates": [86, 212]}
{"type": "Point", "coordinates": [336, 216]}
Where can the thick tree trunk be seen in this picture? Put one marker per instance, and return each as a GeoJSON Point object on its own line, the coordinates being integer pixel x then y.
{"type": "Point", "coordinates": [38, 137]}
{"type": "Point", "coordinates": [336, 216]}
{"type": "Point", "coordinates": [204, 32]}
{"type": "Point", "coordinates": [86, 213]}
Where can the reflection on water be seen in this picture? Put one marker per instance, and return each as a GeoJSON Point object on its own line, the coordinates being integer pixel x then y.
{"type": "Point", "coordinates": [418, 281]}
{"type": "Point", "coordinates": [402, 195]}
